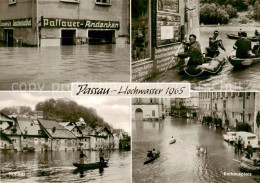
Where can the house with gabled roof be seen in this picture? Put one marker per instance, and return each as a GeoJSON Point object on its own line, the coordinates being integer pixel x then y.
{"type": "Point", "coordinates": [5, 121]}
{"type": "Point", "coordinates": [60, 138]}
{"type": "Point", "coordinates": [104, 138]}
{"type": "Point", "coordinates": [32, 134]}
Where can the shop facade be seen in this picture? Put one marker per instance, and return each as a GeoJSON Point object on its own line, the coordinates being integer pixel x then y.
{"type": "Point", "coordinates": [64, 22]}
{"type": "Point", "coordinates": [158, 28]}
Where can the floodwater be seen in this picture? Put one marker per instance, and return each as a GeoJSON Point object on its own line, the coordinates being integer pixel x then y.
{"type": "Point", "coordinates": [181, 162]}
{"type": "Point", "coordinates": [57, 166]}
{"type": "Point", "coordinates": [228, 78]}
{"type": "Point", "coordinates": [54, 68]}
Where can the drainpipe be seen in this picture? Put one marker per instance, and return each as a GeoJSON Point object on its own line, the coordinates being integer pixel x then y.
{"type": "Point", "coordinates": [244, 106]}
{"type": "Point", "coordinates": [37, 22]}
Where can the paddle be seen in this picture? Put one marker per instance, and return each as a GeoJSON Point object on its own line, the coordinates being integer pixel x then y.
{"type": "Point", "coordinates": [172, 59]}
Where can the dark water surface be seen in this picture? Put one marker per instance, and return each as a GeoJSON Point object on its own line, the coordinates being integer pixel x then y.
{"type": "Point", "coordinates": [51, 67]}
{"type": "Point", "coordinates": [228, 78]}
{"type": "Point", "coordinates": [57, 166]}
{"type": "Point", "coordinates": [181, 162]}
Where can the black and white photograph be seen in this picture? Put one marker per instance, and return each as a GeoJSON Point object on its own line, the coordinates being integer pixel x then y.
{"type": "Point", "coordinates": [208, 137]}
{"type": "Point", "coordinates": [51, 137]}
{"type": "Point", "coordinates": [48, 44]}
{"type": "Point", "coordinates": [212, 44]}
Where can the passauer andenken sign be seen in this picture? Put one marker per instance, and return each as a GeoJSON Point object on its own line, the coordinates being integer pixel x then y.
{"type": "Point", "coordinates": [76, 23]}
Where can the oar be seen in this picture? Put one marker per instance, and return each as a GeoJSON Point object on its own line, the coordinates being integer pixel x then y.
{"type": "Point", "coordinates": [172, 59]}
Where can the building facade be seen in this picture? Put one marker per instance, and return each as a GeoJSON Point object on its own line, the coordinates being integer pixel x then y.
{"type": "Point", "coordinates": [158, 28]}
{"type": "Point", "coordinates": [64, 22]}
{"type": "Point", "coordinates": [231, 108]}
{"type": "Point", "coordinates": [147, 109]}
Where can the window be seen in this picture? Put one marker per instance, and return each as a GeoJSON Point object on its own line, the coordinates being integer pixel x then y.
{"type": "Point", "coordinates": [42, 140]}
{"type": "Point", "coordinates": [12, 2]}
{"type": "Point", "coordinates": [36, 140]}
{"type": "Point", "coordinates": [249, 117]}
{"type": "Point", "coordinates": [153, 113]}
{"type": "Point", "coordinates": [241, 116]}
{"type": "Point", "coordinates": [103, 2]}
{"type": "Point", "coordinates": [224, 104]}
{"type": "Point", "coordinates": [216, 107]}
{"type": "Point", "coordinates": [248, 95]}
{"type": "Point", "coordinates": [13, 141]}
{"type": "Point", "coordinates": [70, 1]}
{"type": "Point", "coordinates": [233, 114]}
{"type": "Point", "coordinates": [141, 32]}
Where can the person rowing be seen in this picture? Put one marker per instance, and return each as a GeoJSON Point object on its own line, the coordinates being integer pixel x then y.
{"type": "Point", "coordinates": [243, 47]}
{"type": "Point", "coordinates": [82, 156]}
{"type": "Point", "coordinates": [214, 43]}
{"type": "Point", "coordinates": [192, 51]}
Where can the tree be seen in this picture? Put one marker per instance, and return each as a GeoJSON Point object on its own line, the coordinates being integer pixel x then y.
{"type": "Point", "coordinates": [243, 127]}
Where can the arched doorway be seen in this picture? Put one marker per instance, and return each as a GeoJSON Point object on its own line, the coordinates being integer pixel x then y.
{"type": "Point", "coordinates": [139, 114]}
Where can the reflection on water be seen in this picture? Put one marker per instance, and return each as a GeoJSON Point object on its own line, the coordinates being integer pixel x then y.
{"type": "Point", "coordinates": [181, 161]}
{"type": "Point", "coordinates": [57, 167]}
{"type": "Point", "coordinates": [64, 65]}
{"type": "Point", "coordinates": [228, 78]}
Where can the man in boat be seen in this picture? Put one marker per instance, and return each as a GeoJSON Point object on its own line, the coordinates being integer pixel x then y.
{"type": "Point", "coordinates": [81, 157]}
{"type": "Point", "coordinates": [154, 152]}
{"type": "Point", "coordinates": [243, 46]}
{"type": "Point", "coordinates": [193, 51]}
{"type": "Point", "coordinates": [214, 43]}
{"type": "Point", "coordinates": [256, 48]}
{"type": "Point", "coordinates": [101, 156]}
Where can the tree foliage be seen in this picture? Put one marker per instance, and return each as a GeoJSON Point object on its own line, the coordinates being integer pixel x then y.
{"type": "Point", "coordinates": [243, 127]}
{"type": "Point", "coordinates": [70, 111]}
{"type": "Point", "coordinates": [16, 110]}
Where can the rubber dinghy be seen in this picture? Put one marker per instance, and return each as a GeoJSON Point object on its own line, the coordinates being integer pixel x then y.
{"type": "Point", "coordinates": [152, 159]}
{"type": "Point", "coordinates": [234, 36]}
{"type": "Point", "coordinates": [249, 168]}
{"type": "Point", "coordinates": [243, 62]}
{"type": "Point", "coordinates": [213, 67]}
{"type": "Point", "coordinates": [91, 165]}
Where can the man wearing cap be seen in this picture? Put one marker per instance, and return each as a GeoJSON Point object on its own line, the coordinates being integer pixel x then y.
{"type": "Point", "coordinates": [243, 46]}
{"type": "Point", "coordinates": [212, 51]}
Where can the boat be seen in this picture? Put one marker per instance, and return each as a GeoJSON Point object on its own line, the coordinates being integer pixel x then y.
{"type": "Point", "coordinates": [173, 141]}
{"type": "Point", "coordinates": [150, 160]}
{"type": "Point", "coordinates": [91, 165]}
{"type": "Point", "coordinates": [243, 62]}
{"type": "Point", "coordinates": [249, 168]}
{"type": "Point", "coordinates": [212, 67]}
{"type": "Point", "coordinates": [234, 36]}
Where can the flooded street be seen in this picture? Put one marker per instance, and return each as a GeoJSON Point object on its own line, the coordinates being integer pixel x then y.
{"type": "Point", "coordinates": [51, 67]}
{"type": "Point", "coordinates": [228, 78]}
{"type": "Point", "coordinates": [57, 166]}
{"type": "Point", "coordinates": [181, 162]}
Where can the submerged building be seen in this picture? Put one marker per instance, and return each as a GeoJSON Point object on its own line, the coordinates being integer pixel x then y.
{"type": "Point", "coordinates": [64, 22]}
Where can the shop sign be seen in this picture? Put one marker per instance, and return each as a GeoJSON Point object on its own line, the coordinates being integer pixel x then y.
{"type": "Point", "coordinates": [16, 23]}
{"type": "Point", "coordinates": [84, 24]}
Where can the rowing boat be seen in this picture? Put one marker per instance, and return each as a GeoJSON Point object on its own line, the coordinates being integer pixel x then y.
{"type": "Point", "coordinates": [152, 159]}
{"type": "Point", "coordinates": [243, 62]}
{"type": "Point", "coordinates": [234, 36]}
{"type": "Point", "coordinates": [173, 141]}
{"type": "Point", "coordinates": [91, 165]}
{"type": "Point", "coordinates": [213, 67]}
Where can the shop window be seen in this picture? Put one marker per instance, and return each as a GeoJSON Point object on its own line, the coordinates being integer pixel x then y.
{"type": "Point", "coordinates": [70, 1]}
{"type": "Point", "coordinates": [141, 30]}
{"type": "Point", "coordinates": [103, 2]}
{"type": "Point", "coordinates": [12, 2]}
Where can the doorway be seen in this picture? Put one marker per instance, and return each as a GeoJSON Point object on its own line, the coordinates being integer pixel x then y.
{"type": "Point", "coordinates": [68, 37]}
{"type": "Point", "coordinates": [101, 37]}
{"type": "Point", "coordinates": [139, 114]}
{"type": "Point", "coordinates": [9, 37]}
